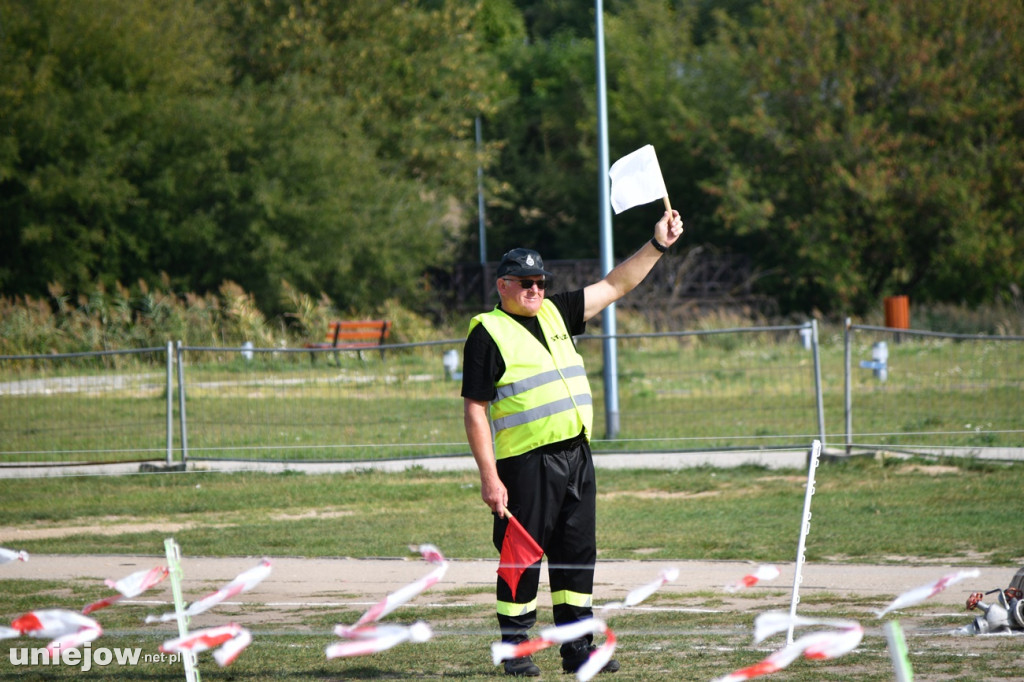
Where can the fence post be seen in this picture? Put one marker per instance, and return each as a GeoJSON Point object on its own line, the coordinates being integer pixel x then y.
{"type": "Point", "coordinates": [819, 398]}
{"type": "Point", "coordinates": [181, 406]}
{"type": "Point", "coordinates": [170, 404]}
{"type": "Point", "coordinates": [847, 400]}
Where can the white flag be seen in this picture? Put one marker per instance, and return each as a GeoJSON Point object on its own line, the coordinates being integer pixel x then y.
{"type": "Point", "coordinates": [636, 179]}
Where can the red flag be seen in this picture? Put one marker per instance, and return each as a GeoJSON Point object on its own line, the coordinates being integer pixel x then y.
{"type": "Point", "coordinates": [519, 551]}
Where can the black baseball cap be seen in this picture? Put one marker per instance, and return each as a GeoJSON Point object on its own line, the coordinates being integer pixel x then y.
{"type": "Point", "coordinates": [522, 263]}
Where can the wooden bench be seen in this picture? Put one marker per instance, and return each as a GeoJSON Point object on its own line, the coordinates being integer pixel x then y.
{"type": "Point", "coordinates": [354, 334]}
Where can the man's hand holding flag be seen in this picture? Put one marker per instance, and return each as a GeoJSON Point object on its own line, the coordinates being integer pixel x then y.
{"type": "Point", "coordinates": [519, 551]}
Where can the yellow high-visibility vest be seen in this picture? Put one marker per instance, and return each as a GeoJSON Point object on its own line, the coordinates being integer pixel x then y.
{"type": "Point", "coordinates": [543, 397]}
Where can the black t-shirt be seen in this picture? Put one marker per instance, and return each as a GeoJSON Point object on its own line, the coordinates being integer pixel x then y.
{"type": "Point", "coordinates": [482, 362]}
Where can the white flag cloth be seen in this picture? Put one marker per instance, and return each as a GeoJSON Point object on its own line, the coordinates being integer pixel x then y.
{"type": "Point", "coordinates": [821, 645]}
{"type": "Point", "coordinates": [919, 594]}
{"type": "Point", "coordinates": [242, 583]}
{"type": "Point", "coordinates": [68, 629]}
{"type": "Point", "coordinates": [503, 651]}
{"type": "Point", "coordinates": [129, 587]}
{"type": "Point", "coordinates": [644, 591]}
{"type": "Point", "coordinates": [636, 179]}
{"type": "Point", "coordinates": [231, 638]}
{"type": "Point", "coordinates": [401, 596]}
{"type": "Point", "coordinates": [371, 639]}
{"type": "Point", "coordinates": [8, 555]}
{"type": "Point", "coordinates": [765, 572]}
{"type": "Point", "coordinates": [8, 633]}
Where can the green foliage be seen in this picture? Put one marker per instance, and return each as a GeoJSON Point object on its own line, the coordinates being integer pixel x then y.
{"type": "Point", "coordinates": [82, 87]}
{"type": "Point", "coordinates": [324, 144]}
{"type": "Point", "coordinates": [124, 318]}
{"type": "Point", "coordinates": [874, 150]}
{"type": "Point", "coordinates": [549, 137]}
{"type": "Point", "coordinates": [147, 316]}
{"type": "Point", "coordinates": [853, 149]}
{"type": "Point", "coordinates": [665, 91]}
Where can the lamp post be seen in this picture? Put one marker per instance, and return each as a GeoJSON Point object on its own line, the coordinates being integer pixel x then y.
{"type": "Point", "coordinates": [484, 285]}
{"type": "Point", "coordinates": [611, 374]}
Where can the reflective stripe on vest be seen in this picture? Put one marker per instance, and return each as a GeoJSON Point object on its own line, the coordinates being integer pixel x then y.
{"type": "Point", "coordinates": [543, 397]}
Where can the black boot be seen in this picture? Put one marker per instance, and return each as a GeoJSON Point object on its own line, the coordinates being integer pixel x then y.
{"type": "Point", "coordinates": [522, 666]}
{"type": "Point", "coordinates": [576, 653]}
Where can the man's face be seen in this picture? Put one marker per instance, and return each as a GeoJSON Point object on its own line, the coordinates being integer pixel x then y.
{"type": "Point", "coordinates": [518, 300]}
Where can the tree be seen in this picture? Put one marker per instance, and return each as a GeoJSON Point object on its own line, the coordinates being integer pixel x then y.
{"type": "Point", "coordinates": [547, 170]}
{"type": "Point", "coordinates": [81, 87]}
{"type": "Point", "coordinates": [404, 82]}
{"type": "Point", "coordinates": [876, 151]}
{"type": "Point", "coordinates": [326, 144]}
{"type": "Point", "coordinates": [664, 91]}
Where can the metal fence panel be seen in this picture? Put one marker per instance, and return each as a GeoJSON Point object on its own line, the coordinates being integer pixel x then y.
{"type": "Point", "coordinates": [704, 390]}
{"type": "Point", "coordinates": [933, 392]}
{"type": "Point", "coordinates": [750, 388]}
{"type": "Point", "coordinates": [85, 407]}
{"type": "Point", "coordinates": [317, 405]}
{"type": "Point", "coordinates": [699, 391]}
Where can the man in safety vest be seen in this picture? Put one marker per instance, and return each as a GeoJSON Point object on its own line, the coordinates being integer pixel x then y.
{"type": "Point", "coordinates": [523, 377]}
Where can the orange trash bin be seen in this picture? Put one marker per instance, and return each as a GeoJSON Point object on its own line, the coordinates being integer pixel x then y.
{"type": "Point", "coordinates": [897, 312]}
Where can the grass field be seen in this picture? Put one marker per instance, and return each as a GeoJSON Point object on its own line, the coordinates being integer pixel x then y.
{"type": "Point", "coordinates": [865, 511]}
{"type": "Point", "coordinates": [675, 394]}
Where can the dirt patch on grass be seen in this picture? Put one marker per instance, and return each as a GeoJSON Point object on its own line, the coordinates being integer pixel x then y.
{"type": "Point", "coordinates": [930, 469]}
{"type": "Point", "coordinates": [311, 514]}
{"type": "Point", "coordinates": [660, 494]}
{"type": "Point", "coordinates": [13, 535]}
{"type": "Point", "coordinates": [119, 525]}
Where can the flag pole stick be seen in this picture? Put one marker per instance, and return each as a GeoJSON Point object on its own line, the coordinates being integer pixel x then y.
{"type": "Point", "coordinates": [668, 206]}
{"type": "Point", "coordinates": [805, 527]}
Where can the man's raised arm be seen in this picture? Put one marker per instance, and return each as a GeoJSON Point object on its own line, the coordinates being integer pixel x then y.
{"type": "Point", "coordinates": [630, 272]}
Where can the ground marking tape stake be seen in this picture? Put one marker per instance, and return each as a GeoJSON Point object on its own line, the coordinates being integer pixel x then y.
{"type": "Point", "coordinates": [188, 658]}
{"type": "Point", "coordinates": [805, 527]}
{"type": "Point", "coordinates": [898, 652]}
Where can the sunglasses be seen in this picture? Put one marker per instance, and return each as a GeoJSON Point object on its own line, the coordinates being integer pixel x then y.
{"type": "Point", "coordinates": [527, 284]}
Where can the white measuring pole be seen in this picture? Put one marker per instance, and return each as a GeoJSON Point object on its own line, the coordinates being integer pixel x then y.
{"type": "Point", "coordinates": [188, 658]}
{"type": "Point", "coordinates": [805, 527]}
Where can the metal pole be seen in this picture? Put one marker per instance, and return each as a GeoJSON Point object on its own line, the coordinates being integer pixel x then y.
{"type": "Point", "coordinates": [611, 374]}
{"type": "Point", "coordinates": [181, 406]}
{"type": "Point", "coordinates": [170, 403]}
{"type": "Point", "coordinates": [817, 382]}
{"type": "Point", "coordinates": [480, 195]}
{"type": "Point", "coordinates": [847, 403]}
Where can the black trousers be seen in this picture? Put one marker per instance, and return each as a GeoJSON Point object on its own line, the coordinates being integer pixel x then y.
{"type": "Point", "coordinates": [553, 494]}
